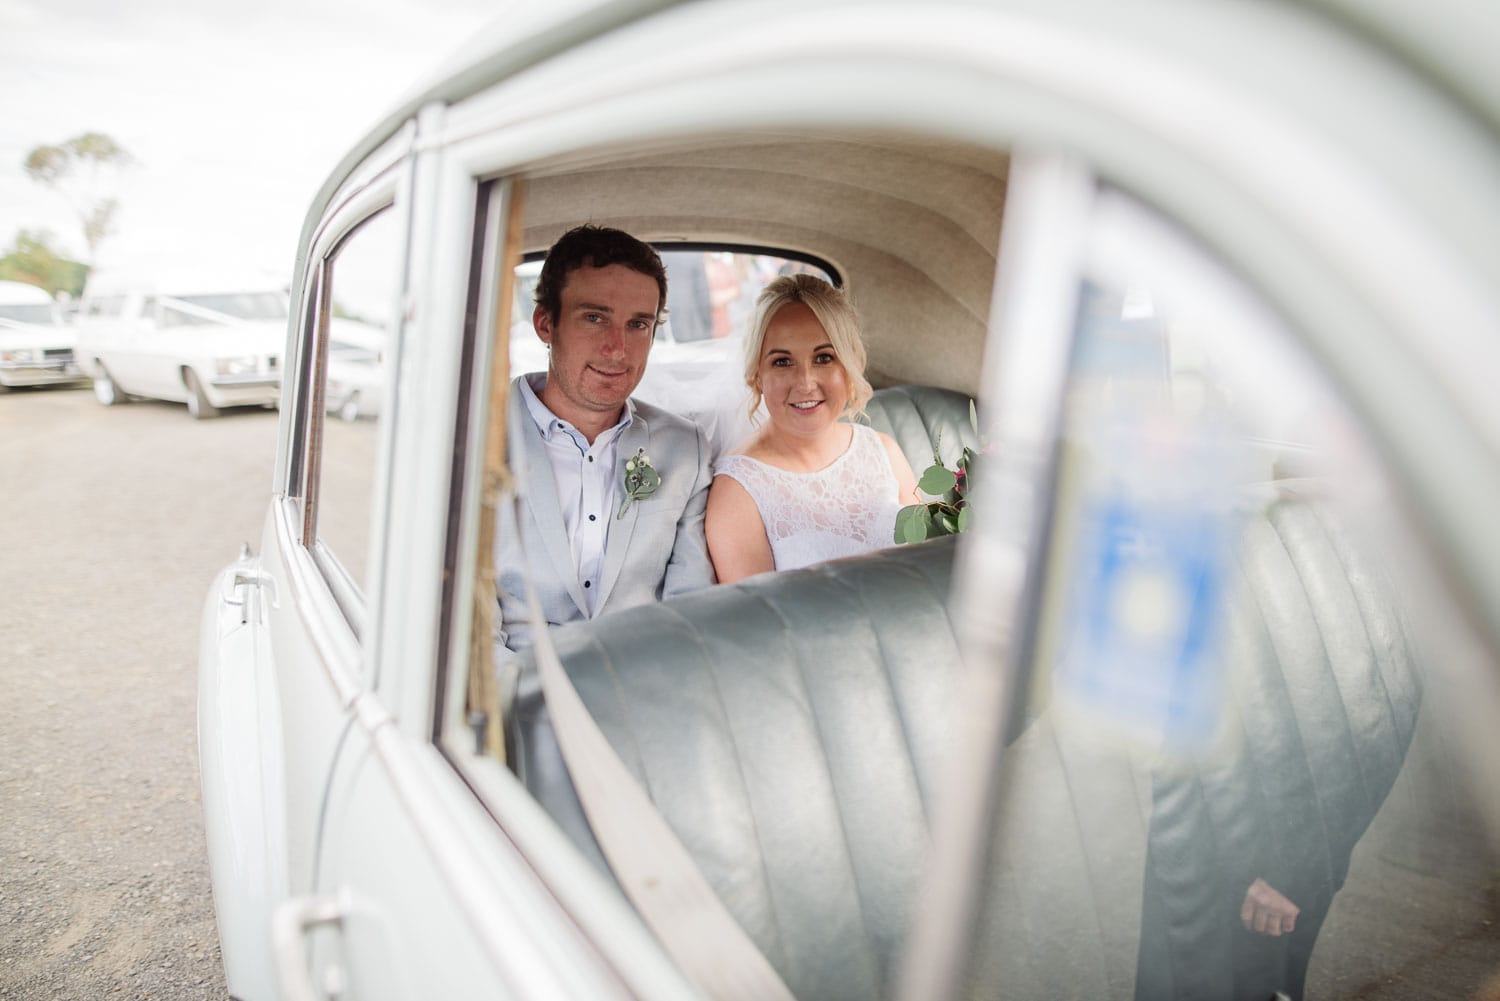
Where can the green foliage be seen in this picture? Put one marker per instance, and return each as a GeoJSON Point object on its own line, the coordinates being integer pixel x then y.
{"type": "Point", "coordinates": [937, 481]}
{"type": "Point", "coordinates": [33, 259]}
{"type": "Point", "coordinates": [948, 513]}
{"type": "Point", "coordinates": [76, 169]}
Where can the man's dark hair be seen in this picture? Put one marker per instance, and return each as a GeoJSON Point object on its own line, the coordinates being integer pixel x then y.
{"type": "Point", "coordinates": [596, 247]}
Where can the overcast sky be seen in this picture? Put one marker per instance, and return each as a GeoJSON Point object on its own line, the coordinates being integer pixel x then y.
{"type": "Point", "coordinates": [235, 112]}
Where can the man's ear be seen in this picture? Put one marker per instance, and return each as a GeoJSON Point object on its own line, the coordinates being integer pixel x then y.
{"type": "Point", "coordinates": [541, 322]}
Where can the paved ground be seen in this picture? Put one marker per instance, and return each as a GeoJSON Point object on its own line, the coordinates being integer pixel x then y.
{"type": "Point", "coordinates": [114, 522]}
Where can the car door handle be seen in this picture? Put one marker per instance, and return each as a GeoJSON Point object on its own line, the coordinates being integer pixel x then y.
{"type": "Point", "coordinates": [290, 924]}
{"type": "Point", "coordinates": [240, 584]}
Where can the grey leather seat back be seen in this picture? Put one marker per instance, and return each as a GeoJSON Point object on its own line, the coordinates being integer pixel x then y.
{"type": "Point", "coordinates": [921, 418]}
{"type": "Point", "coordinates": [792, 730]}
{"type": "Point", "coordinates": [1119, 874]}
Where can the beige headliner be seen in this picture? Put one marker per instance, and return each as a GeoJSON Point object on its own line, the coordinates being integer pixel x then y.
{"type": "Point", "coordinates": [912, 225]}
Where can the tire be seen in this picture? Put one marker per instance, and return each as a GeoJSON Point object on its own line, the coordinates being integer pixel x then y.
{"type": "Point", "coordinates": [349, 411]}
{"type": "Point", "coordinates": [197, 401]}
{"type": "Point", "coordinates": [106, 390]}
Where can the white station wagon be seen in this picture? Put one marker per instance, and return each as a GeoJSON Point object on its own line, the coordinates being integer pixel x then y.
{"type": "Point", "coordinates": [1205, 702]}
{"type": "Point", "coordinates": [209, 349]}
{"type": "Point", "coordinates": [36, 343]}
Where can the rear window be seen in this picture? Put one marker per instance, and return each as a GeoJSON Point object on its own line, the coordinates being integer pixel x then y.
{"type": "Point", "coordinates": [695, 367]}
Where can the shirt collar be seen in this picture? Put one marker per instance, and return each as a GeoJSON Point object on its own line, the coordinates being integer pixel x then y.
{"type": "Point", "coordinates": [547, 422]}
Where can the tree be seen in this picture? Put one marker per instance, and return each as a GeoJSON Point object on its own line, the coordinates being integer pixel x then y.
{"type": "Point", "coordinates": [83, 170]}
{"type": "Point", "coordinates": [33, 260]}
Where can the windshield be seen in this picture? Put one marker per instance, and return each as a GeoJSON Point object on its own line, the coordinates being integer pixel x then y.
{"type": "Point", "coordinates": [30, 313]}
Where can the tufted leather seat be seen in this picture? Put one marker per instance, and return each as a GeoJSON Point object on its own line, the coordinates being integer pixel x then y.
{"type": "Point", "coordinates": [921, 418]}
{"type": "Point", "coordinates": [792, 730]}
{"type": "Point", "coordinates": [1121, 875]}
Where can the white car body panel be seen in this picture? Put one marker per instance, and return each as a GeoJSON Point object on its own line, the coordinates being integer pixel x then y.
{"type": "Point", "coordinates": [36, 345]}
{"type": "Point", "coordinates": [323, 780]}
{"type": "Point", "coordinates": [236, 362]}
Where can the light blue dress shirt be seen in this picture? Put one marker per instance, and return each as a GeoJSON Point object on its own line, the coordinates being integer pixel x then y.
{"type": "Point", "coordinates": [586, 477]}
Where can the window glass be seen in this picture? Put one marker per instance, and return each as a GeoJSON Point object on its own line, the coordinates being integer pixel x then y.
{"type": "Point", "coordinates": [226, 308]}
{"type": "Point", "coordinates": [107, 305]}
{"type": "Point", "coordinates": [695, 367]}
{"type": "Point", "coordinates": [361, 296]}
{"type": "Point", "coordinates": [1234, 775]}
{"type": "Point", "coordinates": [28, 313]}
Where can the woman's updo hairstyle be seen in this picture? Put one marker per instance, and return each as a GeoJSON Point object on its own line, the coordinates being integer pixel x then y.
{"type": "Point", "coordinates": [839, 320]}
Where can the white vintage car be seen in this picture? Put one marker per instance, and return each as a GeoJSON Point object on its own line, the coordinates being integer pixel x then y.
{"type": "Point", "coordinates": [211, 349]}
{"type": "Point", "coordinates": [36, 342]}
{"type": "Point", "coordinates": [1204, 703]}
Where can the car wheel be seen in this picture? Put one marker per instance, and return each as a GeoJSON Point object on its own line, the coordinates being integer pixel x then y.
{"type": "Point", "coordinates": [106, 390]}
{"type": "Point", "coordinates": [197, 401]}
{"type": "Point", "coordinates": [350, 410]}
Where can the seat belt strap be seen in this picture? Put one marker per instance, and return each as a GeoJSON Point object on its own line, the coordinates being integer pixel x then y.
{"type": "Point", "coordinates": [650, 862]}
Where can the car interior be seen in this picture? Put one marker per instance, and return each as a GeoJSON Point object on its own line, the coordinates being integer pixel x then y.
{"type": "Point", "coordinates": [1224, 677]}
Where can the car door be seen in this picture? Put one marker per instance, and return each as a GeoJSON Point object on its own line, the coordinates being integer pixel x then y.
{"type": "Point", "coordinates": [412, 890]}
{"type": "Point", "coordinates": [1229, 751]}
{"type": "Point", "coordinates": [136, 356]}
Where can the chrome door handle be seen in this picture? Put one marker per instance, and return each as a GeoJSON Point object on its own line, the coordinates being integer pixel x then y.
{"type": "Point", "coordinates": [240, 583]}
{"type": "Point", "coordinates": [290, 924]}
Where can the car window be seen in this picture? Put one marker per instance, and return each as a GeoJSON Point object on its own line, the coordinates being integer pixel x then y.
{"type": "Point", "coordinates": [28, 313]}
{"type": "Point", "coordinates": [1235, 752]}
{"type": "Point", "coordinates": [359, 318]}
{"type": "Point", "coordinates": [105, 305]}
{"type": "Point", "coordinates": [222, 309]}
{"type": "Point", "coordinates": [695, 367]}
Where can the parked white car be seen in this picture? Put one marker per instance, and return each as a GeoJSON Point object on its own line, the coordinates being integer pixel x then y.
{"type": "Point", "coordinates": [356, 370]}
{"type": "Point", "coordinates": [1204, 704]}
{"type": "Point", "coordinates": [209, 349]}
{"type": "Point", "coordinates": [36, 343]}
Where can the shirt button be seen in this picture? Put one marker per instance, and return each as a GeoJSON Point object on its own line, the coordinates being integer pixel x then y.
{"type": "Point", "coordinates": [586, 583]}
{"type": "Point", "coordinates": [591, 458]}
{"type": "Point", "coordinates": [592, 518]}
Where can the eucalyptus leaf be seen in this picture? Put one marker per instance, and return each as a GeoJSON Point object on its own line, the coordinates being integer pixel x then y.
{"type": "Point", "coordinates": [912, 523]}
{"type": "Point", "coordinates": [937, 481]}
{"type": "Point", "coordinates": [963, 518]}
{"type": "Point", "coordinates": [903, 520]}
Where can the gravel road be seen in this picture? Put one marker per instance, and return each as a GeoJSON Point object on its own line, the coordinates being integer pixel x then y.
{"type": "Point", "coordinates": [115, 520]}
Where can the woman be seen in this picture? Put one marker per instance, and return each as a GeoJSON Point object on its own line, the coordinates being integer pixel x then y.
{"type": "Point", "coordinates": [808, 486]}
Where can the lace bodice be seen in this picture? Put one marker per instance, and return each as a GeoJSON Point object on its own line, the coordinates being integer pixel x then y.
{"type": "Point", "coordinates": [845, 508]}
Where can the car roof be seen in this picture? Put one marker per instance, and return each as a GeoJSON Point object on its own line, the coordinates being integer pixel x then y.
{"type": "Point", "coordinates": [22, 294]}
{"type": "Point", "coordinates": [1447, 40]}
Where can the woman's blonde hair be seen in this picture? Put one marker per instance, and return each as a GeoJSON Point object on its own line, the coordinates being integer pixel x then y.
{"type": "Point", "coordinates": [839, 320]}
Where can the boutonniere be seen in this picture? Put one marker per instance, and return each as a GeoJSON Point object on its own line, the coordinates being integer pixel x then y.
{"type": "Point", "coordinates": [641, 480]}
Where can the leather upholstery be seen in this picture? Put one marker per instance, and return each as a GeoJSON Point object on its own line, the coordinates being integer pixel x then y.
{"type": "Point", "coordinates": [1325, 694]}
{"type": "Point", "coordinates": [792, 729]}
{"type": "Point", "coordinates": [1120, 874]}
{"type": "Point", "coordinates": [920, 418]}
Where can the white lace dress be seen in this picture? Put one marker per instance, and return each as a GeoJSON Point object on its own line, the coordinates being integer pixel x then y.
{"type": "Point", "coordinates": [846, 508]}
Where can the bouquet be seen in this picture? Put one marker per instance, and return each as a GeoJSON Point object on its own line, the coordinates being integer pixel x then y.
{"type": "Point", "coordinates": [948, 514]}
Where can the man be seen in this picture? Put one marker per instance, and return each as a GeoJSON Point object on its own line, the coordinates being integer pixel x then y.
{"type": "Point", "coordinates": [613, 489]}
